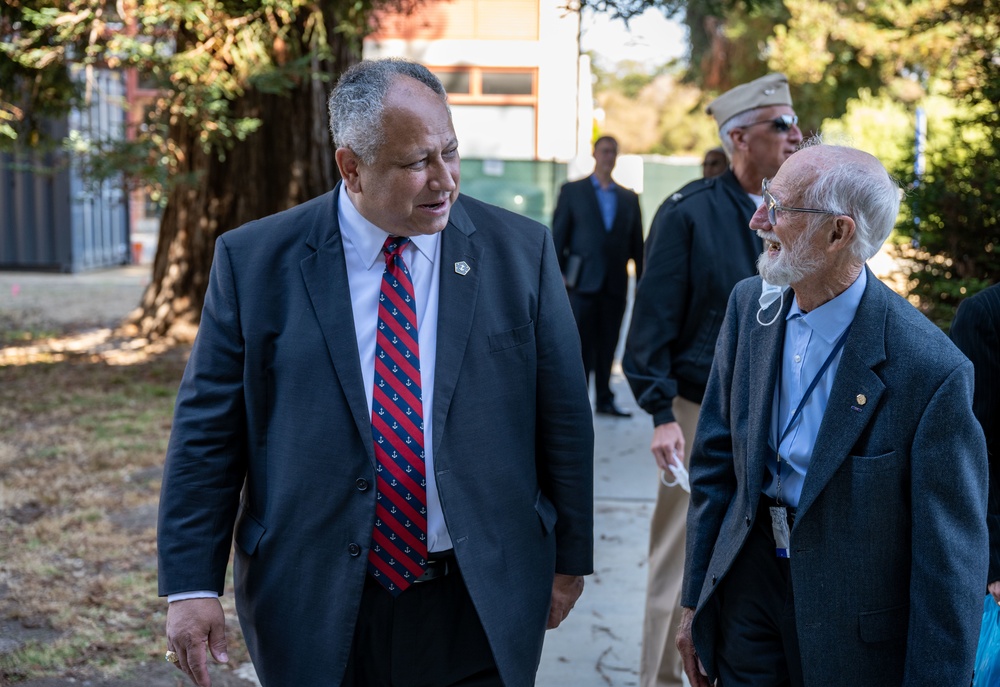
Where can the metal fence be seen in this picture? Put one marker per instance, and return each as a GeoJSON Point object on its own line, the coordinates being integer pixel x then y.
{"type": "Point", "coordinates": [51, 218]}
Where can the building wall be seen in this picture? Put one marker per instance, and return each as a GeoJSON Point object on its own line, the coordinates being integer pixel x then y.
{"type": "Point", "coordinates": [484, 39]}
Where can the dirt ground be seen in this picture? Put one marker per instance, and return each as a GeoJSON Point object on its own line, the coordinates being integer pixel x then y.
{"type": "Point", "coordinates": [84, 419]}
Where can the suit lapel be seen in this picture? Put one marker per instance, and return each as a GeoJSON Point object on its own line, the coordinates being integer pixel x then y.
{"type": "Point", "coordinates": [765, 345]}
{"type": "Point", "coordinates": [456, 309]}
{"type": "Point", "coordinates": [846, 416]}
{"type": "Point", "coordinates": [590, 193]}
{"type": "Point", "coordinates": [325, 276]}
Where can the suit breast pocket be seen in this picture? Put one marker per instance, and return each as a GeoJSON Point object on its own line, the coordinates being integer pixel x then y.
{"type": "Point", "coordinates": [512, 337]}
{"type": "Point", "coordinates": [879, 463]}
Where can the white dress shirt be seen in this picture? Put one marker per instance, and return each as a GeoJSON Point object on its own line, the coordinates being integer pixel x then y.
{"type": "Point", "coordinates": [363, 243]}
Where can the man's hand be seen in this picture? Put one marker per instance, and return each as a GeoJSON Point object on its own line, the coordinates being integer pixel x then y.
{"type": "Point", "coordinates": [191, 625]}
{"type": "Point", "coordinates": [994, 590]}
{"type": "Point", "coordinates": [668, 441]}
{"type": "Point", "coordinates": [696, 672]}
{"type": "Point", "coordinates": [566, 589]}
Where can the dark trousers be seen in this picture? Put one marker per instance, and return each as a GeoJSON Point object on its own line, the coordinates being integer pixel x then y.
{"type": "Point", "coordinates": [757, 644]}
{"type": "Point", "coordinates": [599, 320]}
{"type": "Point", "coordinates": [428, 636]}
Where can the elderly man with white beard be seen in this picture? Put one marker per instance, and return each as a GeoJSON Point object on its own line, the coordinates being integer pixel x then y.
{"type": "Point", "coordinates": [837, 525]}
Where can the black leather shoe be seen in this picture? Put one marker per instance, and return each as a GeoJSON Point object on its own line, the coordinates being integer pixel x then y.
{"type": "Point", "coordinates": [613, 410]}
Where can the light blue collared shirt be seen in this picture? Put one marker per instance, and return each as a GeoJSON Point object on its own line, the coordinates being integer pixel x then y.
{"type": "Point", "coordinates": [809, 339]}
{"type": "Point", "coordinates": [607, 200]}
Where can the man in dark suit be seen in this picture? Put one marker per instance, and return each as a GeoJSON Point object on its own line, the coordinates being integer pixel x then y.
{"type": "Point", "coordinates": [597, 229]}
{"type": "Point", "coordinates": [698, 249]}
{"type": "Point", "coordinates": [385, 410]}
{"type": "Point", "coordinates": [837, 527]}
{"type": "Point", "coordinates": [976, 331]}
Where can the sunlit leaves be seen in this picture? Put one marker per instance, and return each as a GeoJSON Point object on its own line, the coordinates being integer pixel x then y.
{"type": "Point", "coordinates": [199, 56]}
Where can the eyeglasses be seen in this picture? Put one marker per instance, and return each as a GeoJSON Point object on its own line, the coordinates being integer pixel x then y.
{"type": "Point", "coordinates": [781, 123]}
{"type": "Point", "coordinates": [772, 205]}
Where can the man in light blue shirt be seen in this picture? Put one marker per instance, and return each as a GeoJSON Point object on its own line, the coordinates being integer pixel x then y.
{"type": "Point", "coordinates": [837, 524]}
{"type": "Point", "coordinates": [810, 338]}
{"type": "Point", "coordinates": [597, 230]}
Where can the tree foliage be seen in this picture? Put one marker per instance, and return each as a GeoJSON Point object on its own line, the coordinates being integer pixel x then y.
{"type": "Point", "coordinates": [955, 204]}
{"type": "Point", "coordinates": [200, 56]}
{"type": "Point", "coordinates": [654, 113]}
{"type": "Point", "coordinates": [863, 69]}
{"type": "Point", "coordinates": [225, 68]}
{"type": "Point", "coordinates": [237, 129]}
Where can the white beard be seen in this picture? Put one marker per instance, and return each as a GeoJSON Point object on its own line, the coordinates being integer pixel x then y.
{"type": "Point", "coordinates": [791, 265]}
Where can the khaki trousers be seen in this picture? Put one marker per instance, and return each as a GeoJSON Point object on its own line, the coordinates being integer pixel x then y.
{"type": "Point", "coordinates": [661, 662]}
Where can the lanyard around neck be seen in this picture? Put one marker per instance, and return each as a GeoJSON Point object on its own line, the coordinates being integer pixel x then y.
{"type": "Point", "coordinates": [805, 397]}
{"type": "Point", "coordinates": [812, 385]}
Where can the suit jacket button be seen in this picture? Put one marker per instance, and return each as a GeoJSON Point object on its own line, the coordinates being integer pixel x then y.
{"type": "Point", "coordinates": [714, 578]}
{"type": "Point", "coordinates": [748, 521]}
{"type": "Point", "coordinates": [361, 484]}
{"type": "Point", "coordinates": [353, 549]}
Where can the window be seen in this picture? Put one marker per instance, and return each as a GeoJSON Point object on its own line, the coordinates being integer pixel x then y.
{"type": "Point", "coordinates": [456, 82]}
{"type": "Point", "coordinates": [508, 83]}
{"type": "Point", "coordinates": [489, 86]}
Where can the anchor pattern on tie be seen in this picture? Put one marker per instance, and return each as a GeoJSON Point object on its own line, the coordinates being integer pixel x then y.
{"type": "Point", "coordinates": [398, 554]}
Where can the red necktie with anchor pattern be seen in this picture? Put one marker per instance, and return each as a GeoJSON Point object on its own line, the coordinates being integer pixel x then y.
{"type": "Point", "coordinates": [398, 554]}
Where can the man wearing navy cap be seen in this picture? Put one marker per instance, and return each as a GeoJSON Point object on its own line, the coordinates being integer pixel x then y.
{"type": "Point", "coordinates": [698, 249]}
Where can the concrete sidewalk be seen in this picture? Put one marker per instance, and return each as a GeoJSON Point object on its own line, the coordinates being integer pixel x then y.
{"type": "Point", "coordinates": [599, 644]}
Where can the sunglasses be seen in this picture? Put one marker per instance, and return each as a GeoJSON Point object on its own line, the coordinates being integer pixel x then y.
{"type": "Point", "coordinates": [772, 205]}
{"type": "Point", "coordinates": [781, 123]}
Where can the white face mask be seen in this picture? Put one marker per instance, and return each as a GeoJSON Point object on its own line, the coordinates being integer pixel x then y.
{"type": "Point", "coordinates": [681, 478]}
{"type": "Point", "coordinates": [770, 293]}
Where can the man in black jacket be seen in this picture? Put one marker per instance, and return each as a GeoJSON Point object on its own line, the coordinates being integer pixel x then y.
{"type": "Point", "coordinates": [597, 229]}
{"type": "Point", "coordinates": [699, 247]}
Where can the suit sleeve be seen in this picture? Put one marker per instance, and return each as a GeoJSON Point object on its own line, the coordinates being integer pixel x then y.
{"type": "Point", "coordinates": [562, 225]}
{"type": "Point", "coordinates": [565, 435]}
{"type": "Point", "coordinates": [948, 570]}
{"type": "Point", "coordinates": [713, 477]}
{"type": "Point", "coordinates": [206, 456]}
{"type": "Point", "coordinates": [658, 314]}
{"type": "Point", "coordinates": [976, 331]}
{"type": "Point", "coordinates": [635, 238]}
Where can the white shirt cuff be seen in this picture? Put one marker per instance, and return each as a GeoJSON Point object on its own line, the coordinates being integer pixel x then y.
{"type": "Point", "coordinates": [191, 595]}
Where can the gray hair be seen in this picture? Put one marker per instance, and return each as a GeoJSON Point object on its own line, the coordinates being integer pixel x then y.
{"type": "Point", "coordinates": [357, 102]}
{"type": "Point", "coordinates": [739, 121]}
{"type": "Point", "coordinates": [855, 184]}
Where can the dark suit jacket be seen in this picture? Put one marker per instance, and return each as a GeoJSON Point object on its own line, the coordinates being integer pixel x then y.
{"type": "Point", "coordinates": [888, 558]}
{"type": "Point", "coordinates": [976, 331]}
{"type": "Point", "coordinates": [578, 229]}
{"type": "Point", "coordinates": [272, 405]}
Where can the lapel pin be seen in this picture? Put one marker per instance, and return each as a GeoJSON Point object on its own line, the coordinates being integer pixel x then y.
{"type": "Point", "coordinates": [860, 398]}
{"type": "Point", "coordinates": [462, 268]}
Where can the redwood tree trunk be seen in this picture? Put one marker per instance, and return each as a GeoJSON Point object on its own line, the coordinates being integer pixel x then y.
{"type": "Point", "coordinates": [288, 160]}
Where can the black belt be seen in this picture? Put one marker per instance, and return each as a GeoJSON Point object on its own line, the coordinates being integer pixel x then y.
{"type": "Point", "coordinates": [767, 502]}
{"type": "Point", "coordinates": [439, 564]}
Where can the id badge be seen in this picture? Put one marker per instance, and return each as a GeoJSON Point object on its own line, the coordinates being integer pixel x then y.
{"type": "Point", "coordinates": [779, 526]}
